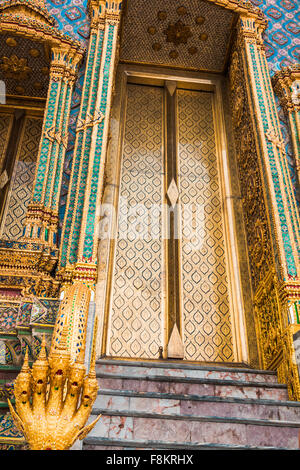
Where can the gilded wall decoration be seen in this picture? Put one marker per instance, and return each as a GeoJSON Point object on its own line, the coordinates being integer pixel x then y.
{"type": "Point", "coordinates": [288, 370]}
{"type": "Point", "coordinates": [260, 246]}
{"type": "Point", "coordinates": [272, 294]}
{"type": "Point", "coordinates": [21, 183]}
{"type": "Point", "coordinates": [258, 234]}
{"type": "Point", "coordinates": [6, 120]}
{"type": "Point", "coordinates": [268, 310]}
{"type": "Point", "coordinates": [15, 67]}
{"type": "Point", "coordinates": [20, 67]}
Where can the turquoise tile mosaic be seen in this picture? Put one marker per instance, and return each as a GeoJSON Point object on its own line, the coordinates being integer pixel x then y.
{"type": "Point", "coordinates": [291, 266]}
{"type": "Point", "coordinates": [59, 165]}
{"type": "Point", "coordinates": [284, 169]}
{"type": "Point", "coordinates": [71, 17]}
{"type": "Point", "coordinates": [48, 190]}
{"type": "Point", "coordinates": [90, 223]}
{"type": "Point", "coordinates": [41, 173]}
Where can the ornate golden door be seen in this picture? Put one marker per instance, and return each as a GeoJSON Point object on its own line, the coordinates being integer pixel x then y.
{"type": "Point", "coordinates": [171, 277]}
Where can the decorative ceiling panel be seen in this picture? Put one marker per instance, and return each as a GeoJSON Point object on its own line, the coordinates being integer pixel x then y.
{"type": "Point", "coordinates": [24, 66]}
{"type": "Point", "coordinates": [191, 34]}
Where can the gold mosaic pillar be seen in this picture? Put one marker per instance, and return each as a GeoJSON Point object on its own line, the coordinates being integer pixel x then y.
{"type": "Point", "coordinates": [42, 214]}
{"type": "Point", "coordinates": [78, 258]}
{"type": "Point", "coordinates": [286, 84]}
{"type": "Point", "coordinates": [279, 287]}
{"type": "Point", "coordinates": [78, 254]}
{"type": "Point", "coordinates": [37, 245]}
{"type": "Point", "coordinates": [107, 229]}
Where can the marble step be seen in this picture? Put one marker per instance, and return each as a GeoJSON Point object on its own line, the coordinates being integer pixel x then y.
{"type": "Point", "coordinates": [195, 430]}
{"type": "Point", "coordinates": [102, 443]}
{"type": "Point", "coordinates": [194, 386]}
{"type": "Point", "coordinates": [169, 369]}
{"type": "Point", "coordinates": [120, 401]}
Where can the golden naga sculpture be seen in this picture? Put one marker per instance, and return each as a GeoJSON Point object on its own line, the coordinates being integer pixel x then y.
{"type": "Point", "coordinates": [54, 399]}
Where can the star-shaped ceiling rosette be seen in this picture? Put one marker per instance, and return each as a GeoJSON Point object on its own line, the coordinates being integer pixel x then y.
{"type": "Point", "coordinates": [177, 33]}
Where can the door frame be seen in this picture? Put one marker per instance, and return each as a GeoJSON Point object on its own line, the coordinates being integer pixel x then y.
{"type": "Point", "coordinates": [128, 73]}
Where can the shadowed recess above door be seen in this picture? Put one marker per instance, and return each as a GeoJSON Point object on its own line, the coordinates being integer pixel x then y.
{"type": "Point", "coordinates": [192, 34]}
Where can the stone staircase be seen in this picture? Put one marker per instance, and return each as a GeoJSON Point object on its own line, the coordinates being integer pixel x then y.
{"type": "Point", "coordinates": [163, 405]}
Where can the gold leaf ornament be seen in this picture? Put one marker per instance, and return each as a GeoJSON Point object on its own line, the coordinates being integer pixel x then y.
{"type": "Point", "coordinates": [15, 67]}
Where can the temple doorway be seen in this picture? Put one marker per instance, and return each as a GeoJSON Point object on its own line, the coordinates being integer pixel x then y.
{"type": "Point", "coordinates": [173, 288]}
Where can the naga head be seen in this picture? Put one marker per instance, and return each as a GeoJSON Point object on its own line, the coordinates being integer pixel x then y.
{"type": "Point", "coordinates": [54, 399]}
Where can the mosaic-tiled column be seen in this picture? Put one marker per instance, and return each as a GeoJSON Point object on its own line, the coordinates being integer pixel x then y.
{"type": "Point", "coordinates": [278, 290]}
{"type": "Point", "coordinates": [286, 83]}
{"type": "Point", "coordinates": [42, 215]}
{"type": "Point", "coordinates": [280, 194]}
{"type": "Point", "coordinates": [78, 257]}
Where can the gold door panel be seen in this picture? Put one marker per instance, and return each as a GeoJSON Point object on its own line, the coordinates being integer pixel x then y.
{"type": "Point", "coordinates": [205, 303]}
{"type": "Point", "coordinates": [136, 312]}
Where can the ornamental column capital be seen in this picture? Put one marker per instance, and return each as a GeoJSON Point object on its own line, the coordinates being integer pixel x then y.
{"type": "Point", "coordinates": [102, 12]}
{"type": "Point", "coordinates": [97, 13]}
{"type": "Point", "coordinates": [251, 29]}
{"type": "Point", "coordinates": [286, 84]}
{"type": "Point", "coordinates": [64, 63]}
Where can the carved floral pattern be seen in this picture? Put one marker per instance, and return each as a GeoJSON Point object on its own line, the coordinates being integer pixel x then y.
{"type": "Point", "coordinates": [15, 67]}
